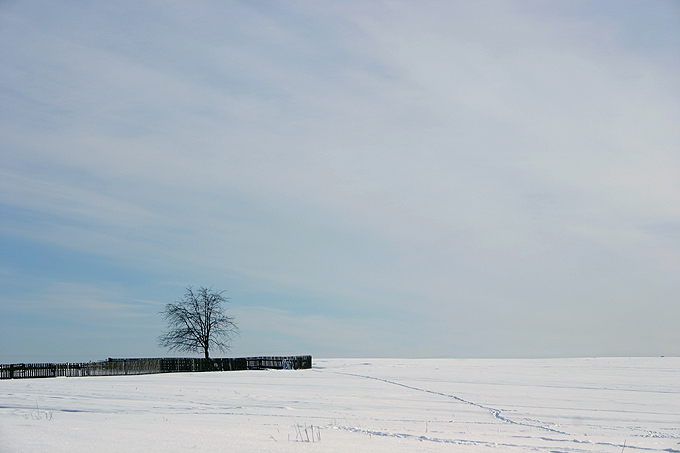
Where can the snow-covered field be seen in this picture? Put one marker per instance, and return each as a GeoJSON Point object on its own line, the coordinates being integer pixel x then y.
{"type": "Point", "coordinates": [552, 405]}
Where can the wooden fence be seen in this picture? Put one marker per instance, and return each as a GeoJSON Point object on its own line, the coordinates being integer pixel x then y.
{"type": "Point", "coordinates": [113, 367]}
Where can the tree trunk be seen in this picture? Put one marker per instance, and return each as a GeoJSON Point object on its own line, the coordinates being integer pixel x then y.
{"type": "Point", "coordinates": [207, 355]}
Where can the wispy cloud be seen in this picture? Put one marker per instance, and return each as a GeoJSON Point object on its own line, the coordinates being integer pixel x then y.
{"type": "Point", "coordinates": [444, 164]}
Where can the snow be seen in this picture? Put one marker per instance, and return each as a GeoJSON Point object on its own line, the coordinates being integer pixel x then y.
{"type": "Point", "coordinates": [462, 405]}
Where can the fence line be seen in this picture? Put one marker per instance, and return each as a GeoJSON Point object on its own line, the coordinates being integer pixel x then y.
{"type": "Point", "coordinates": [114, 367]}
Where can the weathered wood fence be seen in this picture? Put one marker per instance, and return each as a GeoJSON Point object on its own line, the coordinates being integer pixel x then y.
{"type": "Point", "coordinates": [113, 367]}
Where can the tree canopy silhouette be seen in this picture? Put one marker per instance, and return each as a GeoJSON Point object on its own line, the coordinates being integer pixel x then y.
{"type": "Point", "coordinates": [198, 322]}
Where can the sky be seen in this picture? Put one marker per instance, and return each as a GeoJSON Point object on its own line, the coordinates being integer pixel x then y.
{"type": "Point", "coordinates": [362, 179]}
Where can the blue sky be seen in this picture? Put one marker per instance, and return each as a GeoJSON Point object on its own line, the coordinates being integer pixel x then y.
{"type": "Point", "coordinates": [364, 179]}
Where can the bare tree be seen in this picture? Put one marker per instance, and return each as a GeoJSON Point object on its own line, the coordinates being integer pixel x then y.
{"type": "Point", "coordinates": [198, 322]}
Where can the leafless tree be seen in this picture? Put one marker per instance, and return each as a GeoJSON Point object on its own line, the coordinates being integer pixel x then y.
{"type": "Point", "coordinates": [198, 322]}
